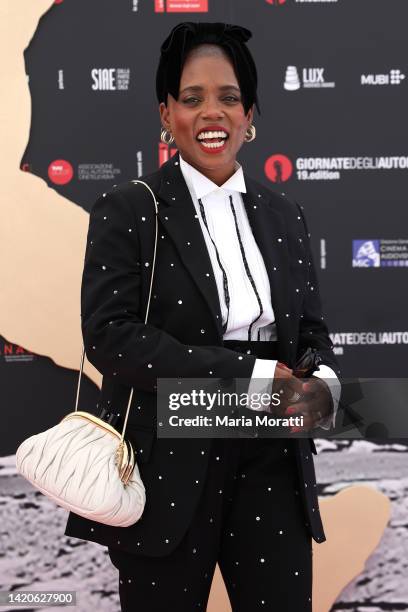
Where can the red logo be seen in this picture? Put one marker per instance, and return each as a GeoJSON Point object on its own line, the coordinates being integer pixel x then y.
{"type": "Point", "coordinates": [276, 2]}
{"type": "Point", "coordinates": [13, 350]}
{"type": "Point", "coordinates": [181, 6]}
{"type": "Point", "coordinates": [60, 172]}
{"type": "Point", "coordinates": [165, 153]}
{"type": "Point", "coordinates": [278, 168]}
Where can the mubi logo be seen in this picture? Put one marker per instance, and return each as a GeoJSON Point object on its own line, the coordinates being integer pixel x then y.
{"type": "Point", "coordinates": [393, 77]}
{"type": "Point", "coordinates": [396, 76]}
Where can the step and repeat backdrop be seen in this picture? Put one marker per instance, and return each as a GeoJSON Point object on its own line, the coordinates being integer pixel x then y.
{"type": "Point", "coordinates": [332, 133]}
{"type": "Point", "coordinates": [333, 93]}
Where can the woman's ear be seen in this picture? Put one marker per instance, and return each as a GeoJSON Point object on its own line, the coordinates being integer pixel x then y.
{"type": "Point", "coordinates": [250, 115]}
{"type": "Point", "coordinates": [164, 115]}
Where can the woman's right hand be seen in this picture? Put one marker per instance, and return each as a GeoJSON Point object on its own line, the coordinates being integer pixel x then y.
{"type": "Point", "coordinates": [288, 386]}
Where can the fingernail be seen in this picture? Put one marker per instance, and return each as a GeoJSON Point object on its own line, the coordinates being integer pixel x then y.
{"type": "Point", "coordinates": [283, 365]}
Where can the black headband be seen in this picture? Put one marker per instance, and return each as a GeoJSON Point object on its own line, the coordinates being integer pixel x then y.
{"type": "Point", "coordinates": [187, 35]}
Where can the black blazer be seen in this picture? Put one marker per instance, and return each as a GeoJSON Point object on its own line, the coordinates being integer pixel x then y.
{"type": "Point", "coordinates": [114, 294]}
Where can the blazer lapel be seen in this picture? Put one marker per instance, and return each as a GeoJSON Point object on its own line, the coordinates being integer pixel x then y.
{"type": "Point", "coordinates": [184, 228]}
{"type": "Point", "coordinates": [267, 225]}
{"type": "Point", "coordinates": [269, 230]}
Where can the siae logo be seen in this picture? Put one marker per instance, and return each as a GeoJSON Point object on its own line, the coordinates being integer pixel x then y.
{"type": "Point", "coordinates": [276, 2]}
{"type": "Point", "coordinates": [181, 6]}
{"type": "Point", "coordinates": [110, 79]}
{"type": "Point", "coordinates": [103, 79]}
{"type": "Point", "coordinates": [278, 168]}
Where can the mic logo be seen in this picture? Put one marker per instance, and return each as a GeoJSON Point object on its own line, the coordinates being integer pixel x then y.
{"type": "Point", "coordinates": [366, 253]}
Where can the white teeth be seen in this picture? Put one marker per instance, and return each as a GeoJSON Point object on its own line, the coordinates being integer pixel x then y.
{"type": "Point", "coordinates": [205, 135]}
{"type": "Point", "coordinates": [213, 145]}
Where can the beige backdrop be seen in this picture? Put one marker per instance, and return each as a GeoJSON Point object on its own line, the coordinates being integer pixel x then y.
{"type": "Point", "coordinates": [42, 249]}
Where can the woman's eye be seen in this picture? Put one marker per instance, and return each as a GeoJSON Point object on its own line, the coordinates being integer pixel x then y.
{"type": "Point", "coordinates": [189, 100]}
{"type": "Point", "coordinates": [227, 98]}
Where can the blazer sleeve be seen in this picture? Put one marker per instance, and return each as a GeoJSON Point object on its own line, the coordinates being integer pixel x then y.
{"type": "Point", "coordinates": [116, 339]}
{"type": "Point", "coordinates": [313, 330]}
{"type": "Point", "coordinates": [314, 333]}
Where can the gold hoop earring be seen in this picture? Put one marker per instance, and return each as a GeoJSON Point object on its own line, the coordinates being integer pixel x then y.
{"type": "Point", "coordinates": [166, 136]}
{"type": "Point", "coordinates": [250, 134]}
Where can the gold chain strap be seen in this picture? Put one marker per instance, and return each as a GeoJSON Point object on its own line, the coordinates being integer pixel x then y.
{"type": "Point", "coordinates": [145, 321]}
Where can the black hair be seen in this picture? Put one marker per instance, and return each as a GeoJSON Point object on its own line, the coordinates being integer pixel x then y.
{"type": "Point", "coordinates": [186, 36]}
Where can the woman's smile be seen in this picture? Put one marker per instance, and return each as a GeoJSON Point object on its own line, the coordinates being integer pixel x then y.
{"type": "Point", "coordinates": [212, 139]}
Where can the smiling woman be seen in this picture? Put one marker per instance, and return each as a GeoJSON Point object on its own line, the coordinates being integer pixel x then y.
{"type": "Point", "coordinates": [208, 120]}
{"type": "Point", "coordinates": [208, 108]}
{"type": "Point", "coordinates": [235, 298]}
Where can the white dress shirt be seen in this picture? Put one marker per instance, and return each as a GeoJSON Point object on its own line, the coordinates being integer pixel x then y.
{"type": "Point", "coordinates": [244, 306]}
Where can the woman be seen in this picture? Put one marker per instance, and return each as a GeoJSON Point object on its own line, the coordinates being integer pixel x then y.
{"type": "Point", "coordinates": [234, 292]}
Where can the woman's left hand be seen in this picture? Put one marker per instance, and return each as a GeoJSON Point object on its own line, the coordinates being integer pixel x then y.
{"type": "Point", "coordinates": [314, 405]}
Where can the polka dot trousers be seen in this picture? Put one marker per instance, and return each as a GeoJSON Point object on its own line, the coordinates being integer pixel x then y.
{"type": "Point", "coordinates": [250, 521]}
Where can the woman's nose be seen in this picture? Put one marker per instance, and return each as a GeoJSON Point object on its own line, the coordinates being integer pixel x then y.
{"type": "Point", "coordinates": [212, 108]}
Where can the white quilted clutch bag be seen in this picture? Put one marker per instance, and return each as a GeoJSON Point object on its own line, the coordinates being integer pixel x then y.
{"type": "Point", "coordinates": [84, 464]}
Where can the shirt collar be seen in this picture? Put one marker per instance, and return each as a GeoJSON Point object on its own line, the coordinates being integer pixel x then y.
{"type": "Point", "coordinates": [202, 186]}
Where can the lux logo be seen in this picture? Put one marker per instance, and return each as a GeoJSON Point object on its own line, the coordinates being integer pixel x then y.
{"type": "Point", "coordinates": [313, 75]}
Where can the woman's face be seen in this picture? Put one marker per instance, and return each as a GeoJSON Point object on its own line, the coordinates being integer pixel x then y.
{"type": "Point", "coordinates": [209, 101]}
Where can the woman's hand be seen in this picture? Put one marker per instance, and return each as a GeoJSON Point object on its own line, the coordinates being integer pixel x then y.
{"type": "Point", "coordinates": [310, 398]}
{"type": "Point", "coordinates": [315, 404]}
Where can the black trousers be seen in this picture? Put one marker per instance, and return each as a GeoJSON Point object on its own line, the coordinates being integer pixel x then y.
{"type": "Point", "coordinates": [250, 520]}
